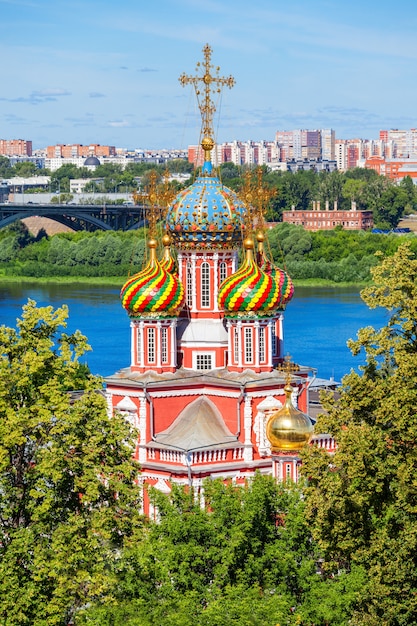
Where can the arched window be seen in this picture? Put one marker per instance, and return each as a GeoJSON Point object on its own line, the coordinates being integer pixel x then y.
{"type": "Point", "coordinates": [164, 344]}
{"type": "Point", "coordinates": [236, 345]}
{"type": "Point", "coordinates": [262, 344]}
{"type": "Point", "coordinates": [151, 345]}
{"type": "Point", "coordinates": [205, 285]}
{"type": "Point", "coordinates": [222, 272]}
{"type": "Point", "coordinates": [189, 285]}
{"type": "Point", "coordinates": [248, 345]}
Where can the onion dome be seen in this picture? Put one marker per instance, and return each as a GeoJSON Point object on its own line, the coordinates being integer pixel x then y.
{"type": "Point", "coordinates": [249, 289]}
{"type": "Point", "coordinates": [285, 284]}
{"type": "Point", "coordinates": [288, 429]}
{"type": "Point", "coordinates": [153, 291]}
{"type": "Point", "coordinates": [206, 215]}
{"type": "Point", "coordinates": [167, 261]}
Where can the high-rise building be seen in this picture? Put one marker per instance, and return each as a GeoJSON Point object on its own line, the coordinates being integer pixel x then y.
{"type": "Point", "coordinates": [15, 147]}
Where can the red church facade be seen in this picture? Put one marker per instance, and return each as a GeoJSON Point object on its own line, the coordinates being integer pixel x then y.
{"type": "Point", "coordinates": [207, 371]}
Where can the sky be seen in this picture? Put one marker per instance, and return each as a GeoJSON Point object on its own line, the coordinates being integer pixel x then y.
{"type": "Point", "coordinates": [106, 71]}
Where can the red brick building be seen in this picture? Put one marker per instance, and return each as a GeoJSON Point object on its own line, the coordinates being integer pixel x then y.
{"type": "Point", "coordinates": [329, 219]}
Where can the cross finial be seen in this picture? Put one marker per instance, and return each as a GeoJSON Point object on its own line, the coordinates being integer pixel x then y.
{"type": "Point", "coordinates": [288, 367]}
{"type": "Point", "coordinates": [211, 83]}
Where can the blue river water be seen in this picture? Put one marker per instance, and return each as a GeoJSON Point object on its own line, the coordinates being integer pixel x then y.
{"type": "Point", "coordinates": [317, 323]}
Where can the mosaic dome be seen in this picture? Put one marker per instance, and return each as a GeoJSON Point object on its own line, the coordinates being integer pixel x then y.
{"type": "Point", "coordinates": [206, 215]}
{"type": "Point", "coordinates": [249, 289]}
{"type": "Point", "coordinates": [153, 291]}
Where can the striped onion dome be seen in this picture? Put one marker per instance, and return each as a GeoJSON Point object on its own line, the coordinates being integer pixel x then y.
{"type": "Point", "coordinates": [153, 291]}
{"type": "Point", "coordinates": [167, 262]}
{"type": "Point", "coordinates": [249, 289]}
{"type": "Point", "coordinates": [285, 284]}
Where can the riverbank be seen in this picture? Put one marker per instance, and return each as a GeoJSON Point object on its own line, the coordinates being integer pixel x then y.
{"type": "Point", "coordinates": [118, 281]}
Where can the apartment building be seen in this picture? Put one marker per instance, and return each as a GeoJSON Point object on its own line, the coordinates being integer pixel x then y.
{"type": "Point", "coordinates": [404, 142]}
{"type": "Point", "coordinates": [15, 147]}
{"type": "Point", "coordinates": [78, 150]}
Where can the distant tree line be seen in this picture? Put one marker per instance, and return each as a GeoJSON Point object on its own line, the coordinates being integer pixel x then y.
{"type": "Point", "coordinates": [388, 200]}
{"type": "Point", "coordinates": [337, 255]}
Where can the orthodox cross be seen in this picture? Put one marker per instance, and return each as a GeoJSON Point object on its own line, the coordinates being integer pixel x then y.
{"type": "Point", "coordinates": [211, 84]}
{"type": "Point", "coordinates": [288, 367]}
{"type": "Point", "coordinates": [150, 200]}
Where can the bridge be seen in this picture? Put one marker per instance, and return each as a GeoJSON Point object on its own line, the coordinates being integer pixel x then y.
{"type": "Point", "coordinates": [77, 216]}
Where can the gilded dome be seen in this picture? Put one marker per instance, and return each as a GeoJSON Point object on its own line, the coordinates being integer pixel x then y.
{"type": "Point", "coordinates": [289, 429]}
{"type": "Point", "coordinates": [206, 215]}
{"type": "Point", "coordinates": [153, 291]}
{"type": "Point", "coordinates": [249, 289]}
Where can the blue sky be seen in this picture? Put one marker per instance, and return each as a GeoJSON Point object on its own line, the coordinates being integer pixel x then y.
{"type": "Point", "coordinates": [106, 71]}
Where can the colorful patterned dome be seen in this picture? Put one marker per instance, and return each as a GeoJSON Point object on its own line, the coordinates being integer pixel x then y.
{"type": "Point", "coordinates": [206, 215]}
{"type": "Point", "coordinates": [153, 291]}
{"type": "Point", "coordinates": [285, 284]}
{"type": "Point", "coordinates": [288, 429]}
{"type": "Point", "coordinates": [249, 289]}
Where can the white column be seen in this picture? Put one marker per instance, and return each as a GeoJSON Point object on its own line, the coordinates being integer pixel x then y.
{"type": "Point", "coordinates": [256, 341]}
{"type": "Point", "coordinates": [247, 428]}
{"type": "Point", "coordinates": [240, 343]}
{"type": "Point", "coordinates": [142, 429]}
{"type": "Point", "coordinates": [215, 289]}
{"type": "Point", "coordinates": [158, 343]}
{"type": "Point", "coordinates": [172, 332]}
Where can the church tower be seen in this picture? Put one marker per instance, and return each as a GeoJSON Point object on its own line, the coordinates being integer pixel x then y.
{"type": "Point", "coordinates": [206, 330]}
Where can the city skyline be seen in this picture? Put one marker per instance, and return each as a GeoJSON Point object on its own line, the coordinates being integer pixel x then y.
{"type": "Point", "coordinates": [84, 72]}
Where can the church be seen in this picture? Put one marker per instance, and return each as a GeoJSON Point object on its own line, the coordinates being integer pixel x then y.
{"type": "Point", "coordinates": [209, 388]}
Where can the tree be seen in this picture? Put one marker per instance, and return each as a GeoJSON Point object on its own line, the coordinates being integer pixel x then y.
{"type": "Point", "coordinates": [68, 496]}
{"type": "Point", "coordinates": [362, 501]}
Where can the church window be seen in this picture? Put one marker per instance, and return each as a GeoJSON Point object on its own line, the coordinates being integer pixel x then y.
{"type": "Point", "coordinates": [203, 362]}
{"type": "Point", "coordinates": [139, 344]}
{"type": "Point", "coordinates": [164, 344]}
{"type": "Point", "coordinates": [151, 345]}
{"type": "Point", "coordinates": [236, 346]}
{"type": "Point", "coordinates": [288, 470]}
{"type": "Point", "coordinates": [248, 345]}
{"type": "Point", "coordinates": [274, 341]}
{"type": "Point", "coordinates": [205, 285]}
{"type": "Point", "coordinates": [189, 285]}
{"type": "Point", "coordinates": [262, 344]}
{"type": "Point", "coordinates": [222, 271]}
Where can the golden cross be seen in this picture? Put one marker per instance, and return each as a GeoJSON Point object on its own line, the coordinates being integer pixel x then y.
{"type": "Point", "coordinates": [150, 198]}
{"type": "Point", "coordinates": [288, 367]}
{"type": "Point", "coordinates": [212, 83]}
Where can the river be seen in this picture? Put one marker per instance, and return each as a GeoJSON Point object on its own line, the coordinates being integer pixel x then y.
{"type": "Point", "coordinates": [317, 323]}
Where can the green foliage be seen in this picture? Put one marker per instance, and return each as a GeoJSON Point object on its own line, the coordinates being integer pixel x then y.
{"type": "Point", "coordinates": [68, 498]}
{"type": "Point", "coordinates": [246, 557]}
{"type": "Point", "coordinates": [362, 501]}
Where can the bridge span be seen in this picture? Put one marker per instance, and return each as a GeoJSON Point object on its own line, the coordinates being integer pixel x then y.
{"type": "Point", "coordinates": [77, 216]}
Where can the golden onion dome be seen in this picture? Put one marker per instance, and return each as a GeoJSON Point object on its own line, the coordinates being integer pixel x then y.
{"type": "Point", "coordinates": [288, 429]}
